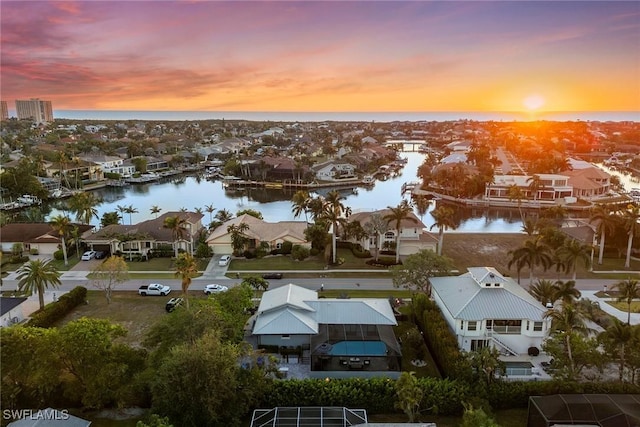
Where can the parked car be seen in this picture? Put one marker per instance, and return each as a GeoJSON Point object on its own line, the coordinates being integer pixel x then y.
{"type": "Point", "coordinates": [173, 303]}
{"type": "Point", "coordinates": [101, 254]}
{"type": "Point", "coordinates": [224, 260]}
{"type": "Point", "coordinates": [272, 276]}
{"type": "Point", "coordinates": [154, 289]}
{"type": "Point", "coordinates": [214, 289]}
{"type": "Point", "coordinates": [88, 256]}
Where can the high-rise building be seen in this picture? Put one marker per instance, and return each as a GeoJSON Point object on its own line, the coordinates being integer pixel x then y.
{"type": "Point", "coordinates": [4, 111]}
{"type": "Point", "coordinates": [34, 109]}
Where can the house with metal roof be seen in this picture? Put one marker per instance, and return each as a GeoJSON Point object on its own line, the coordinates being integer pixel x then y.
{"type": "Point", "coordinates": [339, 335]}
{"type": "Point", "coordinates": [484, 308]}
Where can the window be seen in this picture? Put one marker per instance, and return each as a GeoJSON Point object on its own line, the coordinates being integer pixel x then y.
{"type": "Point", "coordinates": [285, 337]}
{"type": "Point", "coordinates": [462, 325]}
{"type": "Point", "coordinates": [278, 245]}
{"type": "Point", "coordinates": [472, 325]}
{"type": "Point", "coordinates": [389, 235]}
{"type": "Point", "coordinates": [489, 325]}
{"type": "Point", "coordinates": [537, 326]}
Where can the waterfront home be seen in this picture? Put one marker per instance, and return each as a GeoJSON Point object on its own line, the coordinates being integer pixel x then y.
{"type": "Point", "coordinates": [555, 188]}
{"type": "Point", "coordinates": [145, 237]}
{"type": "Point", "coordinates": [588, 182]}
{"type": "Point", "coordinates": [334, 171]}
{"type": "Point", "coordinates": [484, 308]}
{"type": "Point", "coordinates": [111, 164]}
{"type": "Point", "coordinates": [75, 171]}
{"type": "Point", "coordinates": [413, 234]}
{"type": "Point", "coordinates": [273, 234]}
{"type": "Point", "coordinates": [40, 238]}
{"type": "Point", "coordinates": [342, 337]}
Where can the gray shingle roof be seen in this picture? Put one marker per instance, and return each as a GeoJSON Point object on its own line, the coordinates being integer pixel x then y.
{"type": "Point", "coordinates": [465, 299]}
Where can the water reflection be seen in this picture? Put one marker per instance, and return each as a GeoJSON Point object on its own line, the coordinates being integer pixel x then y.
{"type": "Point", "coordinates": [275, 205]}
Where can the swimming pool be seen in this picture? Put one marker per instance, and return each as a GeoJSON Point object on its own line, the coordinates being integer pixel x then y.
{"type": "Point", "coordinates": [359, 348]}
{"type": "Point", "coordinates": [518, 368]}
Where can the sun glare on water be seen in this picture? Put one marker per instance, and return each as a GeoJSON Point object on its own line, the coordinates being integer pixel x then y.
{"type": "Point", "coordinates": [533, 102]}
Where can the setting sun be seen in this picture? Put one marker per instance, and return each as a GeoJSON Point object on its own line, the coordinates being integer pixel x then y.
{"type": "Point", "coordinates": [533, 102]}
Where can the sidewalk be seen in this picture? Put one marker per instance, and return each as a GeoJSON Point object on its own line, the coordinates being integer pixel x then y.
{"type": "Point", "coordinates": [611, 310]}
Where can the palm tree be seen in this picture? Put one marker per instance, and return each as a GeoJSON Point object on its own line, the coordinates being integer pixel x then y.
{"type": "Point", "coordinates": [238, 238]}
{"type": "Point", "coordinates": [315, 207]}
{"type": "Point", "coordinates": [62, 224]}
{"type": "Point", "coordinates": [155, 210]}
{"type": "Point", "coordinates": [532, 253]}
{"type": "Point", "coordinates": [628, 290]}
{"type": "Point", "coordinates": [122, 210]}
{"type": "Point", "coordinates": [603, 215]}
{"type": "Point", "coordinates": [568, 320]}
{"type": "Point", "coordinates": [535, 185]}
{"type": "Point", "coordinates": [186, 268]}
{"type": "Point", "coordinates": [616, 338]}
{"type": "Point", "coordinates": [422, 205]}
{"type": "Point", "coordinates": [397, 215]}
{"type": "Point", "coordinates": [130, 210]}
{"type": "Point", "coordinates": [376, 226]}
{"type": "Point", "coordinates": [84, 206]}
{"type": "Point", "coordinates": [630, 219]}
{"type": "Point", "coordinates": [177, 225]}
{"type": "Point", "coordinates": [300, 202]}
{"type": "Point", "coordinates": [515, 193]}
{"type": "Point", "coordinates": [566, 291]}
{"type": "Point", "coordinates": [530, 226]}
{"type": "Point", "coordinates": [544, 291]}
{"type": "Point", "coordinates": [197, 210]}
{"type": "Point", "coordinates": [36, 275]}
{"type": "Point", "coordinates": [573, 251]}
{"type": "Point", "coordinates": [224, 215]}
{"type": "Point", "coordinates": [209, 209]}
{"type": "Point", "coordinates": [443, 220]}
{"type": "Point", "coordinates": [333, 212]}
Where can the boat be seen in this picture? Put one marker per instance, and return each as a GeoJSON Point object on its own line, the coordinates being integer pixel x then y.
{"type": "Point", "coordinates": [28, 199]}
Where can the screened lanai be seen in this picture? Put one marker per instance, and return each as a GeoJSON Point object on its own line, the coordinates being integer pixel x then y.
{"type": "Point", "coordinates": [604, 410]}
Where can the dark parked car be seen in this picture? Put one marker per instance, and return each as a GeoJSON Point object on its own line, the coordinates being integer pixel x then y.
{"type": "Point", "coordinates": [272, 276]}
{"type": "Point", "coordinates": [101, 254]}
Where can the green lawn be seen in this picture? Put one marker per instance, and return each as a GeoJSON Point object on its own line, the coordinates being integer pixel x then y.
{"type": "Point", "coordinates": [276, 263]}
{"type": "Point", "coordinates": [160, 264]}
{"type": "Point", "coordinates": [505, 418]}
{"type": "Point", "coordinates": [622, 306]}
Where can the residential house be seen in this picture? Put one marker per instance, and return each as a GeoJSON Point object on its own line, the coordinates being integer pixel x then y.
{"type": "Point", "coordinates": [11, 311]}
{"type": "Point", "coordinates": [555, 188]}
{"type": "Point", "coordinates": [484, 308]}
{"type": "Point", "coordinates": [111, 164]}
{"type": "Point", "coordinates": [413, 234]}
{"type": "Point", "coordinates": [334, 171]}
{"type": "Point", "coordinates": [343, 337]}
{"type": "Point", "coordinates": [38, 237]}
{"type": "Point", "coordinates": [274, 234]}
{"type": "Point", "coordinates": [144, 238]}
{"type": "Point", "coordinates": [588, 182]}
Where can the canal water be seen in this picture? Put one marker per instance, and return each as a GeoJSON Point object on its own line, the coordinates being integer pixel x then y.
{"type": "Point", "coordinates": [190, 192]}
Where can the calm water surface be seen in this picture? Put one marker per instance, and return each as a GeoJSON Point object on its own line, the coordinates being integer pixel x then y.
{"type": "Point", "coordinates": [275, 205]}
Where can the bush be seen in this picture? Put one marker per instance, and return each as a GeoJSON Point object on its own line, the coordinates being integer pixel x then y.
{"type": "Point", "coordinates": [299, 252]}
{"type": "Point", "coordinates": [33, 251]}
{"type": "Point", "coordinates": [382, 262]}
{"type": "Point", "coordinates": [248, 254]}
{"type": "Point", "coordinates": [314, 252]}
{"type": "Point", "coordinates": [18, 259]}
{"type": "Point", "coordinates": [56, 311]}
{"type": "Point", "coordinates": [58, 255]}
{"type": "Point", "coordinates": [286, 248]}
{"type": "Point", "coordinates": [204, 251]}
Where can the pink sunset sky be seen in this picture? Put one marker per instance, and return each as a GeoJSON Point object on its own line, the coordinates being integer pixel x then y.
{"type": "Point", "coordinates": [323, 56]}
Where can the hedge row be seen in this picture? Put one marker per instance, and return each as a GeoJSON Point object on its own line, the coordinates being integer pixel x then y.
{"type": "Point", "coordinates": [356, 249]}
{"type": "Point", "coordinates": [440, 339]}
{"type": "Point", "coordinates": [55, 311]}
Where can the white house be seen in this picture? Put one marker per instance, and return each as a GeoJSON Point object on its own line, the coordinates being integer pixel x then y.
{"type": "Point", "coordinates": [334, 171]}
{"type": "Point", "coordinates": [554, 187]}
{"type": "Point", "coordinates": [484, 308]}
{"type": "Point", "coordinates": [413, 234]}
{"type": "Point", "coordinates": [343, 337]}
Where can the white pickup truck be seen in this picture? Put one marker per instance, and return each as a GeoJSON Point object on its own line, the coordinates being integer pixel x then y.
{"type": "Point", "coordinates": [154, 289]}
